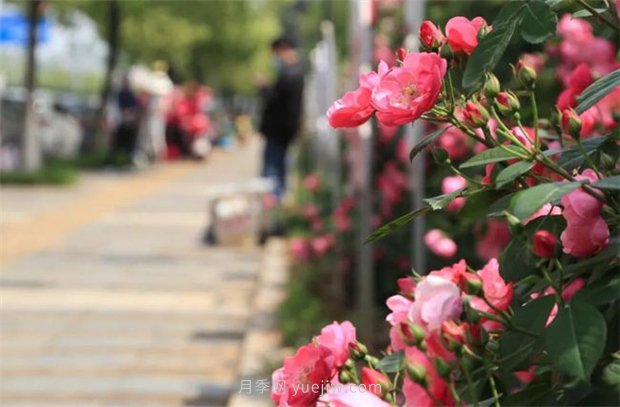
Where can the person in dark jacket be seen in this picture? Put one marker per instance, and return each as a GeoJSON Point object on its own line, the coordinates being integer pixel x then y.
{"type": "Point", "coordinates": [281, 117]}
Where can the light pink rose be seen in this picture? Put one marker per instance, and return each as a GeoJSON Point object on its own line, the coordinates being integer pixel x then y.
{"type": "Point", "coordinates": [440, 244]}
{"type": "Point", "coordinates": [436, 300]}
{"type": "Point", "coordinates": [337, 338]}
{"type": "Point", "coordinates": [463, 34]}
{"type": "Point", "coordinates": [300, 249]}
{"type": "Point", "coordinates": [546, 210]}
{"type": "Point", "coordinates": [495, 289]}
{"type": "Point", "coordinates": [450, 184]}
{"type": "Point", "coordinates": [347, 398]}
{"type": "Point", "coordinates": [586, 231]}
{"type": "Point", "coordinates": [574, 29]}
{"type": "Point", "coordinates": [322, 244]}
{"type": "Point", "coordinates": [404, 93]}
{"type": "Point", "coordinates": [400, 307]}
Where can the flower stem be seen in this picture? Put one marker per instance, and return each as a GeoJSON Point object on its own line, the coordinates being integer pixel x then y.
{"type": "Point", "coordinates": [535, 117]}
{"type": "Point", "coordinates": [493, 385]}
{"type": "Point", "coordinates": [470, 385]}
{"type": "Point", "coordinates": [604, 19]}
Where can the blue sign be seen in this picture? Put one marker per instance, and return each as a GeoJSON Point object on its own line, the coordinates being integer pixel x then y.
{"type": "Point", "coordinates": [14, 29]}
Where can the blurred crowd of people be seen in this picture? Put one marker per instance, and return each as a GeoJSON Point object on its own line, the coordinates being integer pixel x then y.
{"type": "Point", "coordinates": [160, 120]}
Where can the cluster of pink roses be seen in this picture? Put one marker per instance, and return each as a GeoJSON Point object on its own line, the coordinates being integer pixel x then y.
{"type": "Point", "coordinates": [584, 58]}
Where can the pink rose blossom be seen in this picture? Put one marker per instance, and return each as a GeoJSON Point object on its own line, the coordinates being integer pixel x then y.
{"type": "Point", "coordinates": [337, 338]}
{"type": "Point", "coordinates": [436, 300]}
{"type": "Point", "coordinates": [495, 289]}
{"type": "Point", "coordinates": [312, 182]}
{"type": "Point", "coordinates": [463, 34]}
{"type": "Point", "coordinates": [400, 307]}
{"type": "Point", "coordinates": [310, 365]}
{"type": "Point", "coordinates": [455, 142]}
{"type": "Point", "coordinates": [300, 249]}
{"type": "Point", "coordinates": [430, 35]}
{"type": "Point", "coordinates": [586, 231]}
{"type": "Point", "coordinates": [404, 93]}
{"type": "Point", "coordinates": [451, 184]}
{"type": "Point", "coordinates": [440, 244]}
{"type": "Point", "coordinates": [546, 210]}
{"type": "Point", "coordinates": [322, 244]}
{"type": "Point", "coordinates": [490, 244]}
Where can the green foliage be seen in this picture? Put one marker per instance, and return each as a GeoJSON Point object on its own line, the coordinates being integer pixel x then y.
{"type": "Point", "coordinates": [53, 173]}
{"type": "Point", "coordinates": [492, 155]}
{"type": "Point", "coordinates": [393, 362]}
{"type": "Point", "coordinates": [575, 339]}
{"type": "Point", "coordinates": [598, 90]}
{"type": "Point", "coordinates": [512, 172]}
{"type": "Point", "coordinates": [526, 202]}
{"type": "Point", "coordinates": [426, 141]}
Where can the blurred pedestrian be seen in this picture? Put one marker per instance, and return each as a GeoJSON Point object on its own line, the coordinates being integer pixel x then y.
{"type": "Point", "coordinates": [127, 131]}
{"type": "Point", "coordinates": [281, 115]}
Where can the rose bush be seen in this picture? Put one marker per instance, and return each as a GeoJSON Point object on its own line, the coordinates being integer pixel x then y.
{"type": "Point", "coordinates": [538, 323]}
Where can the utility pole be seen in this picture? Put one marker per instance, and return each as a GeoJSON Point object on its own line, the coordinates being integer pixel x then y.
{"type": "Point", "coordinates": [30, 150]}
{"type": "Point", "coordinates": [414, 15]}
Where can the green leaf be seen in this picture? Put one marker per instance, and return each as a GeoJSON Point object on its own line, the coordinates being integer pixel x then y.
{"type": "Point", "coordinates": [538, 23]}
{"type": "Point", "coordinates": [515, 347]}
{"type": "Point", "coordinates": [609, 183]}
{"type": "Point", "coordinates": [602, 292]}
{"type": "Point", "coordinates": [586, 13]}
{"type": "Point", "coordinates": [388, 228]}
{"type": "Point", "coordinates": [526, 202]}
{"type": "Point", "coordinates": [517, 261]}
{"type": "Point", "coordinates": [538, 393]}
{"type": "Point", "coordinates": [491, 47]}
{"type": "Point", "coordinates": [573, 157]}
{"type": "Point", "coordinates": [575, 340]}
{"type": "Point", "coordinates": [441, 201]}
{"type": "Point", "coordinates": [598, 90]}
{"type": "Point", "coordinates": [498, 207]}
{"type": "Point", "coordinates": [510, 173]}
{"type": "Point", "coordinates": [426, 142]}
{"type": "Point", "coordinates": [492, 155]}
{"type": "Point", "coordinates": [393, 362]}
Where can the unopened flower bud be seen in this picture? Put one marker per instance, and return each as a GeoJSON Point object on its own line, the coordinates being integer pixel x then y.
{"type": "Point", "coordinates": [371, 360]}
{"type": "Point", "coordinates": [349, 364]}
{"type": "Point", "coordinates": [345, 377]}
{"type": "Point", "coordinates": [571, 123]}
{"type": "Point", "coordinates": [484, 30]}
{"type": "Point", "coordinates": [491, 86]}
{"type": "Point", "coordinates": [475, 114]}
{"type": "Point", "coordinates": [471, 315]}
{"type": "Point", "coordinates": [446, 52]}
{"type": "Point", "coordinates": [412, 334]}
{"type": "Point", "coordinates": [444, 369]}
{"type": "Point", "coordinates": [544, 244]}
{"type": "Point", "coordinates": [358, 350]}
{"type": "Point", "coordinates": [431, 37]}
{"type": "Point", "coordinates": [373, 377]}
{"type": "Point", "coordinates": [417, 373]}
{"type": "Point", "coordinates": [471, 283]}
{"type": "Point", "coordinates": [525, 73]}
{"type": "Point", "coordinates": [401, 53]}
{"type": "Point", "coordinates": [507, 103]}
{"type": "Point", "coordinates": [453, 334]}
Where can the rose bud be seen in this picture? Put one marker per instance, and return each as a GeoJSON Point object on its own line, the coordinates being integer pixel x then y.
{"type": "Point", "coordinates": [570, 123]}
{"type": "Point", "coordinates": [401, 53]}
{"type": "Point", "coordinates": [430, 36]}
{"type": "Point", "coordinates": [453, 334]}
{"type": "Point", "coordinates": [471, 283]}
{"type": "Point", "coordinates": [417, 373]}
{"type": "Point", "coordinates": [544, 244]}
{"type": "Point", "coordinates": [411, 334]}
{"type": "Point", "coordinates": [507, 103]}
{"type": "Point", "coordinates": [491, 86]}
{"type": "Point", "coordinates": [525, 73]}
{"type": "Point", "coordinates": [345, 377]}
{"type": "Point", "coordinates": [374, 377]}
{"type": "Point", "coordinates": [406, 286]}
{"type": "Point", "coordinates": [444, 368]}
{"type": "Point", "coordinates": [358, 350]}
{"type": "Point", "coordinates": [475, 114]}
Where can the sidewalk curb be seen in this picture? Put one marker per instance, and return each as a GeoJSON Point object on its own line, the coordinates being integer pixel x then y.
{"type": "Point", "coordinates": [262, 339]}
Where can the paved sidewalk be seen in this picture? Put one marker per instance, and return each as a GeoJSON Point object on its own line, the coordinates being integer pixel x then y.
{"type": "Point", "coordinates": [109, 297]}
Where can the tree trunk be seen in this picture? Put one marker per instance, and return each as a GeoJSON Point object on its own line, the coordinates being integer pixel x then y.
{"type": "Point", "coordinates": [113, 40]}
{"type": "Point", "coordinates": [30, 151]}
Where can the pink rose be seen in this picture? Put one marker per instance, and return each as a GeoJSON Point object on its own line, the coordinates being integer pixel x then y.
{"type": "Point", "coordinates": [544, 244]}
{"type": "Point", "coordinates": [344, 398]}
{"type": "Point", "coordinates": [337, 338]}
{"type": "Point", "coordinates": [355, 107]}
{"type": "Point", "coordinates": [416, 395]}
{"type": "Point", "coordinates": [436, 300]}
{"type": "Point", "coordinates": [463, 34]}
{"type": "Point", "coordinates": [455, 142]}
{"type": "Point", "coordinates": [586, 231]}
{"type": "Point", "coordinates": [300, 249]}
{"type": "Point", "coordinates": [450, 184]}
{"type": "Point", "coordinates": [574, 29]}
{"type": "Point", "coordinates": [375, 381]}
{"type": "Point", "coordinates": [322, 244]}
{"type": "Point", "coordinates": [311, 365]}
{"type": "Point", "coordinates": [440, 244]}
{"type": "Point", "coordinates": [400, 307]}
{"type": "Point", "coordinates": [430, 36]}
{"type": "Point", "coordinates": [493, 241]}
{"type": "Point", "coordinates": [495, 289]}
{"type": "Point", "coordinates": [406, 285]}
{"type": "Point", "coordinates": [312, 182]}
{"type": "Point", "coordinates": [546, 210]}
{"type": "Point", "coordinates": [404, 93]}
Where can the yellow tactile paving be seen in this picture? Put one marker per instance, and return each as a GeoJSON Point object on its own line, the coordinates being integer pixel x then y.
{"type": "Point", "coordinates": [47, 229]}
